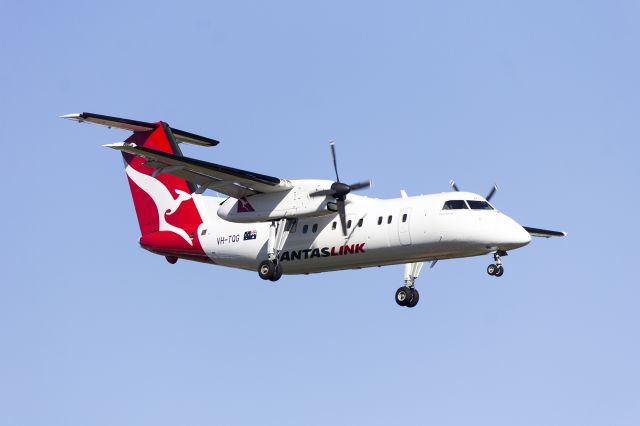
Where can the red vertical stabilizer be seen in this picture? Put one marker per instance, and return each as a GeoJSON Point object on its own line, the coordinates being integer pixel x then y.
{"type": "Point", "coordinates": [167, 214]}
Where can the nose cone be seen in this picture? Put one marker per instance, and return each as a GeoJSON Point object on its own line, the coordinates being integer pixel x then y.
{"type": "Point", "coordinates": [522, 237]}
{"type": "Point", "coordinates": [504, 233]}
{"type": "Point", "coordinates": [515, 235]}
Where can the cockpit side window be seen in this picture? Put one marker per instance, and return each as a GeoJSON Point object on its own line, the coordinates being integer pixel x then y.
{"type": "Point", "coordinates": [479, 205]}
{"type": "Point", "coordinates": [454, 205]}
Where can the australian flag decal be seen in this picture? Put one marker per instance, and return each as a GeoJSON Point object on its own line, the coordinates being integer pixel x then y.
{"type": "Point", "coordinates": [250, 235]}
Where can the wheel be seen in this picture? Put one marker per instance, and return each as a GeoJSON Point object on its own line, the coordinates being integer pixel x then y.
{"type": "Point", "coordinates": [171, 259]}
{"type": "Point", "coordinates": [499, 271]}
{"type": "Point", "coordinates": [415, 296]}
{"type": "Point", "coordinates": [266, 269]}
{"type": "Point", "coordinates": [277, 272]}
{"type": "Point", "coordinates": [403, 295]}
{"type": "Point", "coordinates": [491, 269]}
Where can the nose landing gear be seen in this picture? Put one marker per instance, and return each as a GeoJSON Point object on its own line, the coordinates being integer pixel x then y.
{"type": "Point", "coordinates": [496, 269]}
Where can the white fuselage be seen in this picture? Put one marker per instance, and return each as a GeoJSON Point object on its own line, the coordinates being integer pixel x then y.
{"type": "Point", "coordinates": [381, 232]}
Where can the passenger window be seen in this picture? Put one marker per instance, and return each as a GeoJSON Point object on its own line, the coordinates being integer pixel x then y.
{"type": "Point", "coordinates": [305, 229]}
{"type": "Point", "coordinates": [315, 228]}
{"type": "Point", "coordinates": [404, 218]}
{"type": "Point", "coordinates": [389, 219]}
{"type": "Point", "coordinates": [360, 223]}
{"type": "Point", "coordinates": [454, 205]}
{"type": "Point", "coordinates": [349, 224]}
{"type": "Point", "coordinates": [479, 205]}
{"type": "Point", "coordinates": [333, 226]}
{"type": "Point", "coordinates": [380, 220]}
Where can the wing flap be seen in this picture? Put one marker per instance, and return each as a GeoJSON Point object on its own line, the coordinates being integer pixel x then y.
{"type": "Point", "coordinates": [233, 182]}
{"type": "Point", "coordinates": [544, 233]}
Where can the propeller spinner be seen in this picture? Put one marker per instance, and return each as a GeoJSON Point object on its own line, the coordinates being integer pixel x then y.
{"type": "Point", "coordinates": [339, 190]}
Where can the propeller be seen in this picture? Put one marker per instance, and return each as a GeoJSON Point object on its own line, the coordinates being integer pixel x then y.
{"type": "Point", "coordinates": [339, 190]}
{"type": "Point", "coordinates": [489, 195]}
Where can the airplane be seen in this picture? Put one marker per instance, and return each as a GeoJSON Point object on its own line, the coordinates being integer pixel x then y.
{"type": "Point", "coordinates": [279, 226]}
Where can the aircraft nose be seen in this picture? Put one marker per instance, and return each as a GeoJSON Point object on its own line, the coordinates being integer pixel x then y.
{"type": "Point", "coordinates": [517, 235]}
{"type": "Point", "coordinates": [522, 236]}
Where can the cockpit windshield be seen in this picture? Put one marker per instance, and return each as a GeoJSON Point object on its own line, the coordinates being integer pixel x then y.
{"type": "Point", "coordinates": [479, 205]}
{"type": "Point", "coordinates": [454, 205]}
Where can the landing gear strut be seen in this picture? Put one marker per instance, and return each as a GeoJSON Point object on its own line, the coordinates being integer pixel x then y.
{"type": "Point", "coordinates": [496, 269]}
{"type": "Point", "coordinates": [408, 295]}
{"type": "Point", "coordinates": [271, 269]}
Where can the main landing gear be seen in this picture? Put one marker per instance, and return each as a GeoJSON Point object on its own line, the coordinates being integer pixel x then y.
{"type": "Point", "coordinates": [271, 269]}
{"type": "Point", "coordinates": [496, 269]}
{"type": "Point", "coordinates": [408, 295]}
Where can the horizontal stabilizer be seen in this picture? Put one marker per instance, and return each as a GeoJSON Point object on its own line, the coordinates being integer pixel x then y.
{"type": "Point", "coordinates": [536, 232]}
{"type": "Point", "coordinates": [139, 126]}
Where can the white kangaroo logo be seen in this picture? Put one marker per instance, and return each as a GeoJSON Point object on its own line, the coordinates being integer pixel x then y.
{"type": "Point", "coordinates": [165, 203]}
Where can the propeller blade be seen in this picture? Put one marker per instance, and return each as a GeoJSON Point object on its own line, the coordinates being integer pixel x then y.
{"type": "Point", "coordinates": [492, 192]}
{"type": "Point", "coordinates": [323, 193]}
{"type": "Point", "coordinates": [360, 185]}
{"type": "Point", "coordinates": [332, 144]}
{"type": "Point", "coordinates": [343, 216]}
{"type": "Point", "coordinates": [454, 186]}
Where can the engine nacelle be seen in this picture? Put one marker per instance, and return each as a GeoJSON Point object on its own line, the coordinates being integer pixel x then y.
{"type": "Point", "coordinates": [264, 207]}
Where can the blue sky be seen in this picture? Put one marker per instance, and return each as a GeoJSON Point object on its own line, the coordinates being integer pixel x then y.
{"type": "Point", "coordinates": [541, 97]}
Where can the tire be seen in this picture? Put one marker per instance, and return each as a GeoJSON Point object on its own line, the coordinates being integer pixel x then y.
{"type": "Point", "coordinates": [491, 269]}
{"type": "Point", "coordinates": [266, 269]}
{"type": "Point", "coordinates": [415, 297]}
{"type": "Point", "coordinates": [403, 295]}
{"type": "Point", "coordinates": [499, 271]}
{"type": "Point", "coordinates": [277, 272]}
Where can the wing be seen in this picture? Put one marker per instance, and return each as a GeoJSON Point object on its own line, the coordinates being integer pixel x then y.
{"type": "Point", "coordinates": [233, 182]}
{"type": "Point", "coordinates": [536, 232]}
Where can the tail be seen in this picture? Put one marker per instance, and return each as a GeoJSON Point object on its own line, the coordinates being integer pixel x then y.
{"type": "Point", "coordinates": [167, 214]}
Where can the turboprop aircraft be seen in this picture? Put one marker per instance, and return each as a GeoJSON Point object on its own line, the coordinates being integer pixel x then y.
{"type": "Point", "coordinates": [278, 226]}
